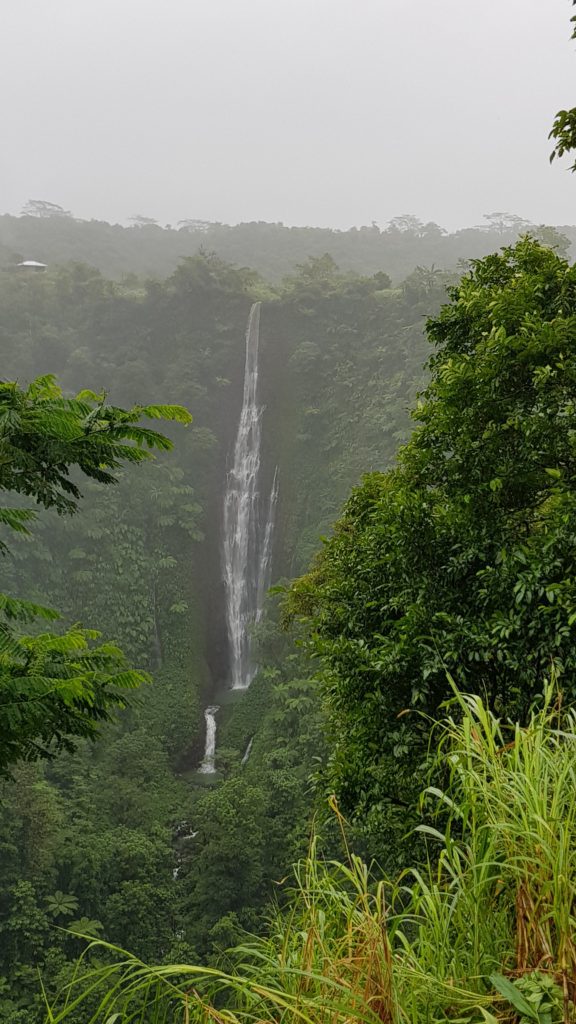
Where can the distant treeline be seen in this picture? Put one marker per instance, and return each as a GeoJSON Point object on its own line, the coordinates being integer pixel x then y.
{"type": "Point", "coordinates": [51, 235]}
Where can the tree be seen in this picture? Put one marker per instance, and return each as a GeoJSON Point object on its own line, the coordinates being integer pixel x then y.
{"type": "Point", "coordinates": [41, 208]}
{"type": "Point", "coordinates": [201, 226]}
{"type": "Point", "coordinates": [564, 128]}
{"type": "Point", "coordinates": [462, 558]}
{"type": "Point", "coordinates": [406, 223]}
{"type": "Point", "coordinates": [506, 223]}
{"type": "Point", "coordinates": [140, 221]}
{"type": "Point", "coordinates": [57, 687]}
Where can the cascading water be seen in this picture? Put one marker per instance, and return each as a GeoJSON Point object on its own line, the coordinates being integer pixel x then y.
{"type": "Point", "coordinates": [208, 767]}
{"type": "Point", "coordinates": [248, 536]}
{"type": "Point", "coordinates": [248, 525]}
{"type": "Point", "coordinates": [248, 751]}
{"type": "Point", "coordinates": [265, 565]}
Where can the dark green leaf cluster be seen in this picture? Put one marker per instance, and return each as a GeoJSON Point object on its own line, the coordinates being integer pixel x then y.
{"type": "Point", "coordinates": [464, 556]}
{"type": "Point", "coordinates": [43, 434]}
{"type": "Point", "coordinates": [55, 689]}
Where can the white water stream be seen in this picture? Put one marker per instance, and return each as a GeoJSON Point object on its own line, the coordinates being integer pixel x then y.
{"type": "Point", "coordinates": [208, 767]}
{"type": "Point", "coordinates": [248, 522]}
{"type": "Point", "coordinates": [248, 751]}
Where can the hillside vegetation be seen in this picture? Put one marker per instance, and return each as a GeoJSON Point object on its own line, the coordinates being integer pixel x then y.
{"type": "Point", "coordinates": [457, 557]}
{"type": "Point", "coordinates": [483, 931]}
{"type": "Point", "coordinates": [105, 829]}
{"type": "Point", "coordinates": [53, 236]}
{"type": "Point", "coordinates": [452, 571]}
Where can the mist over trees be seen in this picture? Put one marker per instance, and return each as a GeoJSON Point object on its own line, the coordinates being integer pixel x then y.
{"type": "Point", "coordinates": [124, 840]}
{"type": "Point", "coordinates": [411, 700]}
{"type": "Point", "coordinates": [50, 234]}
{"type": "Point", "coordinates": [341, 359]}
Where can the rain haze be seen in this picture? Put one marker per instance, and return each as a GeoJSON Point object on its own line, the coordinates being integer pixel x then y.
{"type": "Point", "coordinates": [287, 512]}
{"type": "Point", "coordinates": [301, 111]}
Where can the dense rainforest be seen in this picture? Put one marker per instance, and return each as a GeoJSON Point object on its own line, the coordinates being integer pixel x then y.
{"type": "Point", "coordinates": [46, 232]}
{"type": "Point", "coordinates": [287, 671]}
{"type": "Point", "coordinates": [124, 839]}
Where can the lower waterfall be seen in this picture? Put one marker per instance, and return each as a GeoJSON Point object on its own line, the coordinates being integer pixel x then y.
{"type": "Point", "coordinates": [208, 766]}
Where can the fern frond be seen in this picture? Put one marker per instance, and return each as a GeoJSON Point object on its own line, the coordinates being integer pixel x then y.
{"type": "Point", "coordinates": [176, 413]}
{"type": "Point", "coordinates": [16, 518]}
{"type": "Point", "coordinates": [130, 679]}
{"type": "Point", "coordinates": [26, 611]}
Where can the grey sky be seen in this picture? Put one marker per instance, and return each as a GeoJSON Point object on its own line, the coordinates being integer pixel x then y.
{"type": "Point", "coordinates": [307, 111]}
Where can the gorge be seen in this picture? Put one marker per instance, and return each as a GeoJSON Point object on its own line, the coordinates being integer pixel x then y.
{"type": "Point", "coordinates": [248, 528]}
{"type": "Point", "coordinates": [333, 359]}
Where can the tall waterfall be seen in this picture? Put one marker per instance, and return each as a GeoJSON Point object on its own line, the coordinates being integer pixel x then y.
{"type": "Point", "coordinates": [248, 522]}
{"type": "Point", "coordinates": [208, 767]}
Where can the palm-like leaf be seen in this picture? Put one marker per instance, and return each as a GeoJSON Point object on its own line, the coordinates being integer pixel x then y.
{"type": "Point", "coordinates": [61, 904]}
{"type": "Point", "coordinates": [43, 434]}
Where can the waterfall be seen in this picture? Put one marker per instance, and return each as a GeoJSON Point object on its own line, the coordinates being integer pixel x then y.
{"type": "Point", "coordinates": [248, 751]}
{"type": "Point", "coordinates": [265, 564]}
{"type": "Point", "coordinates": [207, 767]}
{"type": "Point", "coordinates": [248, 524]}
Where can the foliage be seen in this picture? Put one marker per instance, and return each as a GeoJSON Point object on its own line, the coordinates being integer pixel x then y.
{"type": "Point", "coordinates": [60, 904]}
{"type": "Point", "coordinates": [564, 128]}
{"type": "Point", "coordinates": [535, 996]}
{"type": "Point", "coordinates": [51, 235]}
{"type": "Point", "coordinates": [491, 916]}
{"type": "Point", "coordinates": [346, 362]}
{"type": "Point", "coordinates": [42, 208]}
{"type": "Point", "coordinates": [462, 556]}
{"type": "Point", "coordinates": [43, 435]}
{"type": "Point", "coordinates": [56, 688]}
{"type": "Point", "coordinates": [256, 820]}
{"type": "Point", "coordinates": [110, 824]}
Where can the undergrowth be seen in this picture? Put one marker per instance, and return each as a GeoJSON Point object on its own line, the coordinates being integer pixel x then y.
{"type": "Point", "coordinates": [485, 932]}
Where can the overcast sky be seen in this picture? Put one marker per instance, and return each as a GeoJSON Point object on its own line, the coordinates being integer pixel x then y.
{"type": "Point", "coordinates": [324, 112]}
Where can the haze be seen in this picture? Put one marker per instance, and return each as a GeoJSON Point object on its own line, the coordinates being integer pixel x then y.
{"type": "Point", "coordinates": [317, 112]}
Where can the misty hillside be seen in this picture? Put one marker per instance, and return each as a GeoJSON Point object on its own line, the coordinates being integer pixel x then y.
{"type": "Point", "coordinates": [288, 512]}
{"type": "Point", "coordinates": [341, 359]}
{"type": "Point", "coordinates": [273, 250]}
{"type": "Point", "coordinates": [168, 836]}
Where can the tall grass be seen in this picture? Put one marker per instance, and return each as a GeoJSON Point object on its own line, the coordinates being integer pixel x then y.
{"type": "Point", "coordinates": [449, 942]}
